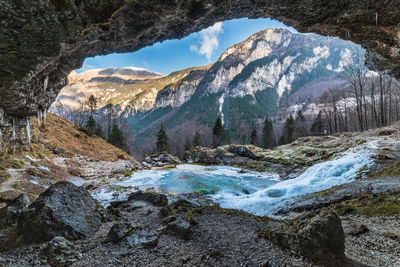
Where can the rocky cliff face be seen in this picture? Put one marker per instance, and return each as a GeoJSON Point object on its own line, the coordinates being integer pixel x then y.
{"type": "Point", "coordinates": [174, 95]}
{"type": "Point", "coordinates": [276, 58]}
{"type": "Point", "coordinates": [268, 71]}
{"type": "Point", "coordinates": [130, 90]}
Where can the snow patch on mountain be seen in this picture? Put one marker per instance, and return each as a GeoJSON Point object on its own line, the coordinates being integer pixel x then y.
{"type": "Point", "coordinates": [346, 59]}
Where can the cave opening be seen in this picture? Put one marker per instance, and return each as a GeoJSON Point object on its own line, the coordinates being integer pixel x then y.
{"type": "Point", "coordinates": [246, 71]}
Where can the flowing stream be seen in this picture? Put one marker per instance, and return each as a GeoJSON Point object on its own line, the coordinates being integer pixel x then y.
{"type": "Point", "coordinates": [259, 193]}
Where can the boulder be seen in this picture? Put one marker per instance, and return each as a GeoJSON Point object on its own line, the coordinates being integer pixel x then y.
{"type": "Point", "coordinates": [357, 229]}
{"type": "Point", "coordinates": [319, 238]}
{"type": "Point", "coordinates": [60, 252]}
{"type": "Point", "coordinates": [58, 150]}
{"type": "Point", "coordinates": [62, 210]}
{"type": "Point", "coordinates": [203, 155]}
{"type": "Point", "coordinates": [243, 151]}
{"type": "Point", "coordinates": [143, 239]}
{"type": "Point", "coordinates": [160, 160]}
{"type": "Point", "coordinates": [153, 198]}
{"type": "Point", "coordinates": [9, 215]}
{"type": "Point", "coordinates": [119, 231]}
{"type": "Point", "coordinates": [180, 228]}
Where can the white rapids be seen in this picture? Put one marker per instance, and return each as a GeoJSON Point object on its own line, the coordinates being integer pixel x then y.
{"type": "Point", "coordinates": [259, 193]}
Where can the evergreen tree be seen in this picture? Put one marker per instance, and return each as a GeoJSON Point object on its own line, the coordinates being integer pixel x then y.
{"type": "Point", "coordinates": [162, 139]}
{"type": "Point", "coordinates": [317, 128]}
{"type": "Point", "coordinates": [218, 132]}
{"type": "Point", "coordinates": [268, 134]}
{"type": "Point", "coordinates": [92, 104]}
{"type": "Point", "coordinates": [254, 137]}
{"type": "Point", "coordinates": [99, 131]}
{"type": "Point", "coordinates": [288, 131]}
{"type": "Point", "coordinates": [116, 137]}
{"type": "Point", "coordinates": [196, 139]}
{"type": "Point", "coordinates": [300, 125]}
{"type": "Point", "coordinates": [91, 125]}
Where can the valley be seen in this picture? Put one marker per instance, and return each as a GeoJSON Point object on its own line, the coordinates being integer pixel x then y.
{"type": "Point", "coordinates": [273, 73]}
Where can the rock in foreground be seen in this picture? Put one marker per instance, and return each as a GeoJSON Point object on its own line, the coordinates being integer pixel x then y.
{"type": "Point", "coordinates": [61, 252]}
{"type": "Point", "coordinates": [319, 238]}
{"type": "Point", "coordinates": [62, 210]}
{"type": "Point", "coordinates": [9, 215]}
{"type": "Point", "coordinates": [153, 198]}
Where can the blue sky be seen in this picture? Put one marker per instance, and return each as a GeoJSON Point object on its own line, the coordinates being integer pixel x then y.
{"type": "Point", "coordinates": [197, 49]}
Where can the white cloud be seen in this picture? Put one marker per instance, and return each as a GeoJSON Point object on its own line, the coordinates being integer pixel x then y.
{"type": "Point", "coordinates": [86, 67]}
{"type": "Point", "coordinates": [208, 41]}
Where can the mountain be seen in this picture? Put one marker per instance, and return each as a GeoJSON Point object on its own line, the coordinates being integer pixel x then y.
{"type": "Point", "coordinates": [272, 73]}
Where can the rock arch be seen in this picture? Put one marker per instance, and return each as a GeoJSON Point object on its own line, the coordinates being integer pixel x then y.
{"type": "Point", "coordinates": [42, 42]}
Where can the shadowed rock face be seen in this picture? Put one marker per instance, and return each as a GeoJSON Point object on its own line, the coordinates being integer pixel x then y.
{"type": "Point", "coordinates": [42, 42]}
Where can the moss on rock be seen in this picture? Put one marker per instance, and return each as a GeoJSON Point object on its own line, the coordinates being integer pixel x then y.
{"type": "Point", "coordinates": [371, 205]}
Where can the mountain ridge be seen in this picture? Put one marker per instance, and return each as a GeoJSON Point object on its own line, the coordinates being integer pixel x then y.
{"type": "Point", "coordinates": [251, 80]}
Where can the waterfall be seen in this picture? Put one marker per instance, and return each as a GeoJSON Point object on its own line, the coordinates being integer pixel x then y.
{"type": "Point", "coordinates": [221, 103]}
{"type": "Point", "coordinates": [28, 130]}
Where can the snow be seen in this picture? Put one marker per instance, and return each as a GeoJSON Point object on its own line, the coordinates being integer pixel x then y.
{"type": "Point", "coordinates": [43, 168]}
{"type": "Point", "coordinates": [322, 52]}
{"type": "Point", "coordinates": [346, 59]}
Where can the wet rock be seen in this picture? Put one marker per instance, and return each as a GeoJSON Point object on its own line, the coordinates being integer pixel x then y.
{"type": "Point", "coordinates": [9, 215]}
{"type": "Point", "coordinates": [59, 150]}
{"type": "Point", "coordinates": [143, 239]}
{"type": "Point", "coordinates": [204, 156]}
{"type": "Point", "coordinates": [114, 211]}
{"type": "Point", "coordinates": [386, 132]}
{"type": "Point", "coordinates": [119, 231]}
{"type": "Point", "coordinates": [168, 220]}
{"type": "Point", "coordinates": [180, 205]}
{"type": "Point", "coordinates": [180, 228]}
{"type": "Point", "coordinates": [62, 210]}
{"type": "Point", "coordinates": [319, 238]}
{"type": "Point", "coordinates": [91, 185]}
{"type": "Point", "coordinates": [60, 252]}
{"type": "Point", "coordinates": [153, 198]}
{"type": "Point", "coordinates": [160, 160]}
{"type": "Point", "coordinates": [243, 151]}
{"type": "Point", "coordinates": [357, 229]}
{"type": "Point", "coordinates": [341, 193]}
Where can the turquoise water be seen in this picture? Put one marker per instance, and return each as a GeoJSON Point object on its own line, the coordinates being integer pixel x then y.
{"type": "Point", "coordinates": [259, 193]}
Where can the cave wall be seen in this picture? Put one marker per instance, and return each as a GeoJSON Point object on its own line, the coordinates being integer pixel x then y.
{"type": "Point", "coordinates": [14, 132]}
{"type": "Point", "coordinates": [42, 42]}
